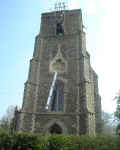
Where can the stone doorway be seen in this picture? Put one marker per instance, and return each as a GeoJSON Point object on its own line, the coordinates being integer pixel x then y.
{"type": "Point", "coordinates": [55, 129]}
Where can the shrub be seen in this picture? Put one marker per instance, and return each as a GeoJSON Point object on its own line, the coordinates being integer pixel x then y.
{"type": "Point", "coordinates": [9, 141]}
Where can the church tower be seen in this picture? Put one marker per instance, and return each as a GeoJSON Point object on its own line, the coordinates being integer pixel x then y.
{"type": "Point", "coordinates": [75, 104]}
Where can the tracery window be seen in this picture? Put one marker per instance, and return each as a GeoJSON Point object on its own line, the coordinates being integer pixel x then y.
{"type": "Point", "coordinates": [57, 102]}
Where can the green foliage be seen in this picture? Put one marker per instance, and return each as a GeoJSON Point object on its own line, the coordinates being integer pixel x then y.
{"type": "Point", "coordinates": [22, 142]}
{"type": "Point", "coordinates": [5, 125]}
{"type": "Point", "coordinates": [117, 113]}
{"type": "Point", "coordinates": [6, 120]}
{"type": "Point", "coordinates": [118, 130]}
{"type": "Point", "coordinates": [57, 142]}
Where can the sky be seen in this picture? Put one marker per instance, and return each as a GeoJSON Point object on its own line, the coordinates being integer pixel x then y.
{"type": "Point", "coordinates": [20, 23]}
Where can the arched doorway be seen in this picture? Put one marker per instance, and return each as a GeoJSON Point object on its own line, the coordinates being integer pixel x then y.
{"type": "Point", "coordinates": [55, 129]}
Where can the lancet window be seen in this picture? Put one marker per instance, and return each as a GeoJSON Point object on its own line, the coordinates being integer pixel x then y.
{"type": "Point", "coordinates": [57, 102]}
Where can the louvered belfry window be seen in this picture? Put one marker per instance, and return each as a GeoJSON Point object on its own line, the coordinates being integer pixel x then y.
{"type": "Point", "coordinates": [59, 29]}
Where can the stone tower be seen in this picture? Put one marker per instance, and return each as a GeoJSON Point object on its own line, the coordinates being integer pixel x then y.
{"type": "Point", "coordinates": [75, 106]}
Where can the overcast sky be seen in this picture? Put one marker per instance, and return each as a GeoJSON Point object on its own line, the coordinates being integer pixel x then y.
{"type": "Point", "coordinates": [20, 23]}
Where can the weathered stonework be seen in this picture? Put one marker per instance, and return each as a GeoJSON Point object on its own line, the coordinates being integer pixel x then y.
{"type": "Point", "coordinates": [82, 103]}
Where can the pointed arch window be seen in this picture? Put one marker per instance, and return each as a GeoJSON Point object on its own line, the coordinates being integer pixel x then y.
{"type": "Point", "coordinates": [57, 102]}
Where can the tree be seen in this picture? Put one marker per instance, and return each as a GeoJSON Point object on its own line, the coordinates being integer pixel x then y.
{"type": "Point", "coordinates": [108, 126]}
{"type": "Point", "coordinates": [6, 120]}
{"type": "Point", "coordinates": [106, 117]}
{"type": "Point", "coordinates": [117, 112]}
